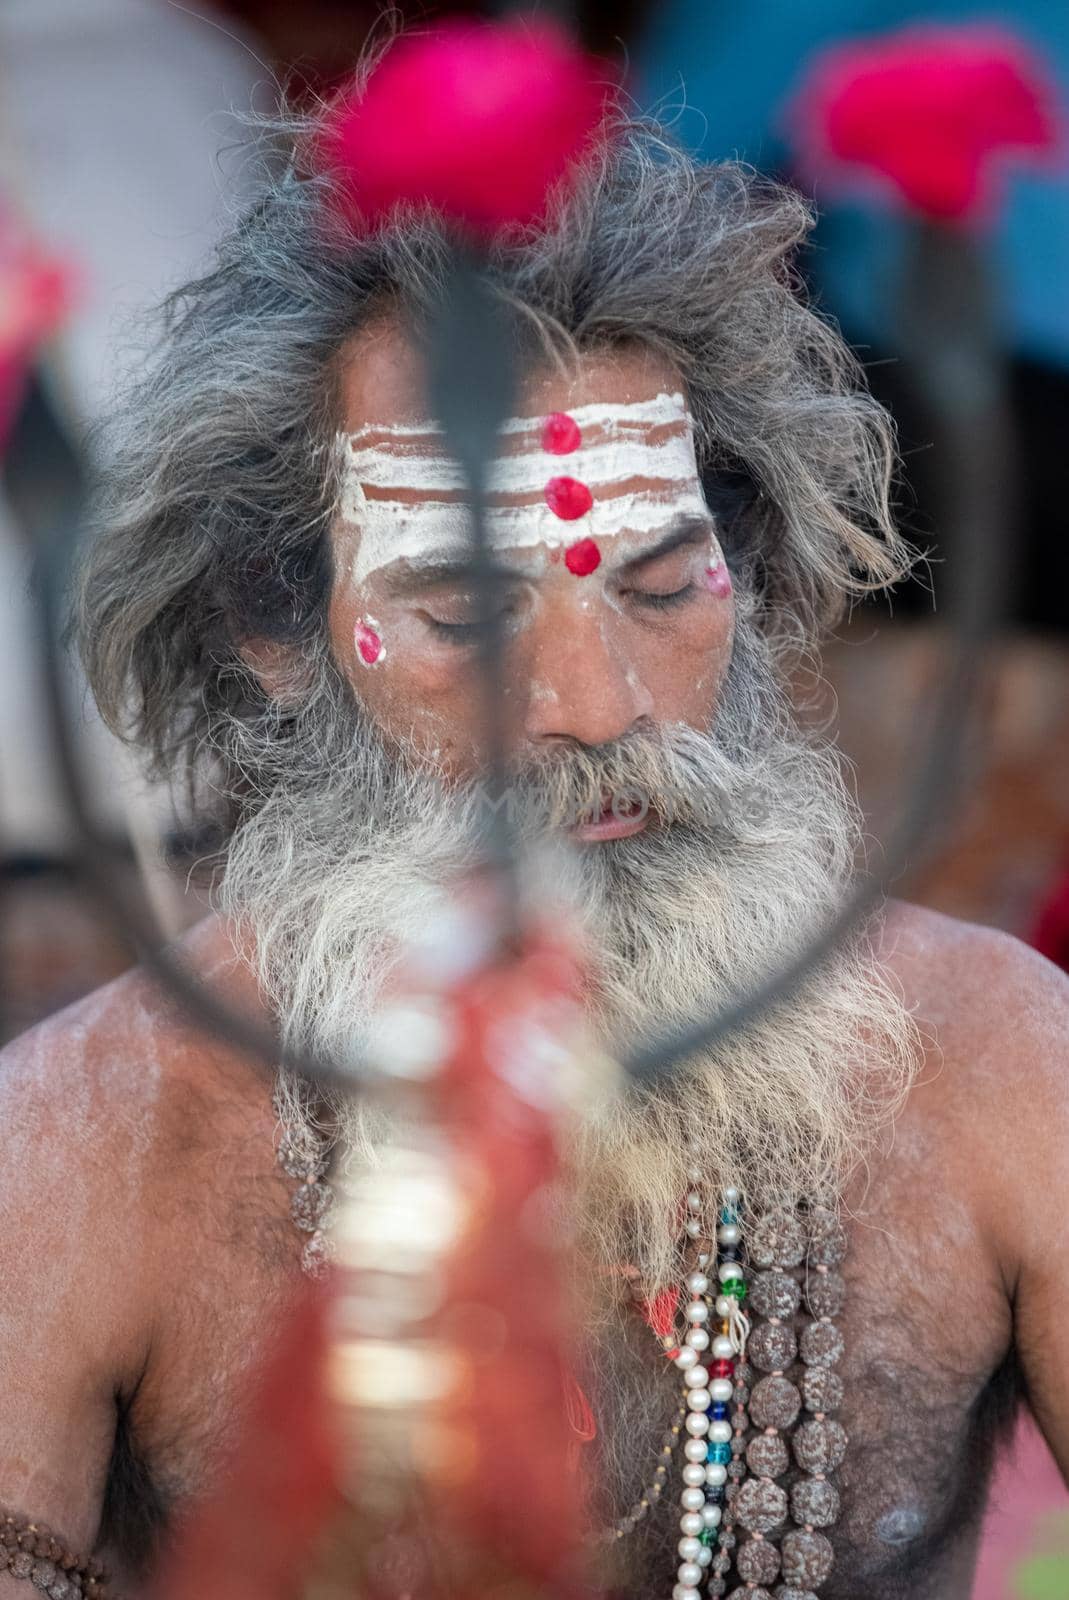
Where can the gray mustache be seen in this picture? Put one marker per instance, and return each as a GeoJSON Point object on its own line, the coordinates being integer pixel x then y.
{"type": "Point", "coordinates": [675, 776]}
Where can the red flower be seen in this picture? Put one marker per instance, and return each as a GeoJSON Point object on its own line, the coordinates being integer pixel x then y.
{"type": "Point", "coordinates": [931, 110]}
{"type": "Point", "coordinates": [477, 119]}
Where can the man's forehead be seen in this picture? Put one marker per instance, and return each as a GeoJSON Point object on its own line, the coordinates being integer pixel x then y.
{"type": "Point", "coordinates": [564, 482]}
{"type": "Point", "coordinates": [581, 434]}
{"type": "Point", "coordinates": [602, 454]}
{"type": "Point", "coordinates": [383, 380]}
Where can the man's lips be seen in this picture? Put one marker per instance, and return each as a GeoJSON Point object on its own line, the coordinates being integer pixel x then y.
{"type": "Point", "coordinates": [608, 825]}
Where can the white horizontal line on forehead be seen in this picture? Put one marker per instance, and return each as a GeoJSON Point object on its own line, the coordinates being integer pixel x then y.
{"type": "Point", "coordinates": [413, 502]}
{"type": "Point", "coordinates": [597, 465]}
{"type": "Point", "coordinates": [391, 530]}
{"type": "Point", "coordinates": [661, 408]}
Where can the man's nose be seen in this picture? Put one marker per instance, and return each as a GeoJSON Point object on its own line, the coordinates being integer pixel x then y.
{"type": "Point", "coordinates": [581, 684]}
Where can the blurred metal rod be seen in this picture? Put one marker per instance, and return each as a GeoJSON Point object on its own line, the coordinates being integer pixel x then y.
{"type": "Point", "coordinates": [471, 387]}
{"type": "Point", "coordinates": [45, 481]}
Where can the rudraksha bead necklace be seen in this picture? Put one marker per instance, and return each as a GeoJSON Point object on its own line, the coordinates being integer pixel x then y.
{"type": "Point", "coordinates": [795, 1257]}
{"type": "Point", "coordinates": [31, 1551]}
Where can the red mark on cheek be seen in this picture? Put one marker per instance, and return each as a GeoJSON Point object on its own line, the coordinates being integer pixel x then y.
{"type": "Point", "coordinates": [718, 581]}
{"type": "Point", "coordinates": [368, 644]}
{"type": "Point", "coordinates": [568, 499]}
{"type": "Point", "coordinates": [560, 434]}
{"type": "Point", "coordinates": [582, 557]}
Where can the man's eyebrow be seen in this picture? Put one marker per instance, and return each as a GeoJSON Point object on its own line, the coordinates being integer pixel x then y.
{"type": "Point", "coordinates": [420, 575]}
{"type": "Point", "coordinates": [685, 534]}
{"type": "Point", "coordinates": [417, 575]}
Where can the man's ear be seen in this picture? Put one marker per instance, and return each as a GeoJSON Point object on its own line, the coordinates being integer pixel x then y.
{"type": "Point", "coordinates": [277, 667]}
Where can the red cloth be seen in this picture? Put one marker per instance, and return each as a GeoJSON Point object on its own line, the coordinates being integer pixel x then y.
{"type": "Point", "coordinates": [36, 291]}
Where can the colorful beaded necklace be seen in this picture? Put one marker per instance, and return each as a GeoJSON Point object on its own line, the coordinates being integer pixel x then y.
{"type": "Point", "coordinates": [789, 1258]}
{"type": "Point", "coordinates": [733, 1462]}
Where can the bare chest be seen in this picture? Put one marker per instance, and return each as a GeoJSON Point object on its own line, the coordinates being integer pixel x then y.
{"type": "Point", "coordinates": [930, 1391]}
{"type": "Point", "coordinates": [925, 1414]}
{"type": "Point", "coordinates": [229, 1253]}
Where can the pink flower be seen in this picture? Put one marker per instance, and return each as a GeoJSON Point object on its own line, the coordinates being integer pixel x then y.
{"type": "Point", "coordinates": [35, 295]}
{"type": "Point", "coordinates": [477, 119]}
{"type": "Point", "coordinates": [931, 111]}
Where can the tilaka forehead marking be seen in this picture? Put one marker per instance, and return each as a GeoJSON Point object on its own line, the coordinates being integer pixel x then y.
{"type": "Point", "coordinates": [582, 558]}
{"type": "Point", "coordinates": [642, 458]}
{"type": "Point", "coordinates": [561, 434]}
{"type": "Point", "coordinates": [566, 497]}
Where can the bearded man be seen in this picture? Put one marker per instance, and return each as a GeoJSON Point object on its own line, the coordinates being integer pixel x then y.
{"type": "Point", "coordinates": [279, 607]}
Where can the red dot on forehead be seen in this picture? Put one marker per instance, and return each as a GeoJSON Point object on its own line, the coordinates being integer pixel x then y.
{"type": "Point", "coordinates": [582, 557]}
{"type": "Point", "coordinates": [560, 434]}
{"type": "Point", "coordinates": [568, 499]}
{"type": "Point", "coordinates": [368, 643]}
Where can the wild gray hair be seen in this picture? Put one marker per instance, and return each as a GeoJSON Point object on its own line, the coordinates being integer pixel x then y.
{"type": "Point", "coordinates": [219, 488]}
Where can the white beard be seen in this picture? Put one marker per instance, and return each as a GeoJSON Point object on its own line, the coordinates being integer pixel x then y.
{"type": "Point", "coordinates": [354, 852]}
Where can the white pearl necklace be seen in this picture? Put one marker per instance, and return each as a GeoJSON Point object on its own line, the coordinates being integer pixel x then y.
{"type": "Point", "coordinates": [701, 1513]}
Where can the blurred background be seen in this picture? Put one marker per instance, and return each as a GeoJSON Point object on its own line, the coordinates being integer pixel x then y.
{"type": "Point", "coordinates": [124, 148]}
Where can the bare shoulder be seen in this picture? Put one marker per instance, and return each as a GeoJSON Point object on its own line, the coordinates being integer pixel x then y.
{"type": "Point", "coordinates": [124, 1060]}
{"type": "Point", "coordinates": [110, 1109]}
{"type": "Point", "coordinates": [986, 995]}
{"type": "Point", "coordinates": [994, 1019]}
{"type": "Point", "coordinates": [80, 1127]}
{"type": "Point", "coordinates": [138, 1185]}
{"type": "Point", "coordinates": [80, 1117]}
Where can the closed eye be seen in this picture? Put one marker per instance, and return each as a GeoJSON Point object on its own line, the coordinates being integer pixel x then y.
{"type": "Point", "coordinates": [466, 632]}
{"type": "Point", "coordinates": [454, 632]}
{"type": "Point", "coordinates": [650, 600]}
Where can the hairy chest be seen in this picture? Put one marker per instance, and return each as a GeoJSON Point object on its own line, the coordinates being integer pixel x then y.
{"type": "Point", "coordinates": [228, 1267]}
{"type": "Point", "coordinates": [929, 1393]}
{"type": "Point", "coordinates": [930, 1389]}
